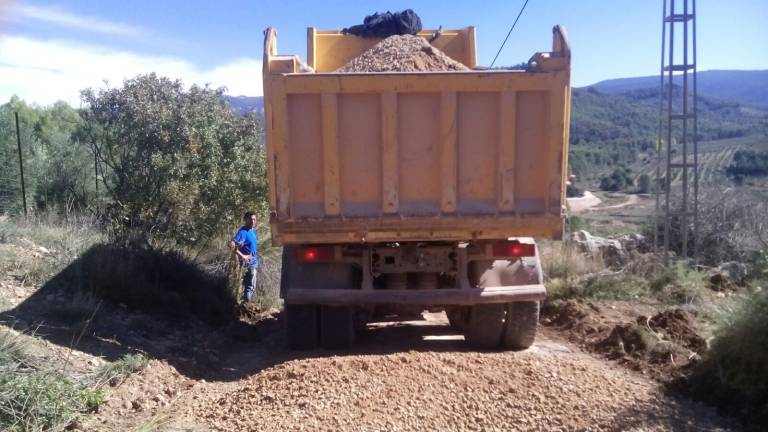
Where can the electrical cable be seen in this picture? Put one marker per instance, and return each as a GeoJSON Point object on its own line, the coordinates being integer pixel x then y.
{"type": "Point", "coordinates": [509, 33]}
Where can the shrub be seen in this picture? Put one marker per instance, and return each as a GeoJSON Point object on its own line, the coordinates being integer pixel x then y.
{"type": "Point", "coordinates": [120, 369]}
{"type": "Point", "coordinates": [43, 400]}
{"type": "Point", "coordinates": [570, 274]}
{"type": "Point", "coordinates": [618, 180]}
{"type": "Point", "coordinates": [12, 351]}
{"type": "Point", "coordinates": [734, 372]}
{"type": "Point", "coordinates": [748, 163]}
{"type": "Point", "coordinates": [733, 226]}
{"type": "Point", "coordinates": [677, 284]}
{"type": "Point", "coordinates": [644, 184]}
{"type": "Point", "coordinates": [36, 399]}
{"type": "Point", "coordinates": [178, 164]}
{"type": "Point", "coordinates": [565, 268]}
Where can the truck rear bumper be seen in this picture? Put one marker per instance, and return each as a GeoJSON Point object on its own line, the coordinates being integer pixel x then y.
{"type": "Point", "coordinates": [455, 296]}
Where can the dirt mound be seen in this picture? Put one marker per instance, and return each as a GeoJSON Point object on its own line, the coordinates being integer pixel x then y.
{"type": "Point", "coordinates": [678, 326]}
{"type": "Point", "coordinates": [580, 318]}
{"type": "Point", "coordinates": [669, 332]}
{"type": "Point", "coordinates": [661, 343]}
{"type": "Point", "coordinates": [404, 53]}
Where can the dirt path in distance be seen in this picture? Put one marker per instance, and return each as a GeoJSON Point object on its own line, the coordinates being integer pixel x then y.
{"type": "Point", "coordinates": [631, 200]}
{"type": "Point", "coordinates": [582, 204]}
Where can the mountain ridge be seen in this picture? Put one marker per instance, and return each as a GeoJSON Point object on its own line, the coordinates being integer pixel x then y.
{"type": "Point", "coordinates": [745, 86]}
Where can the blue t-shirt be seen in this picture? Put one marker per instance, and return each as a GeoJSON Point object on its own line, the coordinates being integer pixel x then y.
{"type": "Point", "coordinates": [247, 243]}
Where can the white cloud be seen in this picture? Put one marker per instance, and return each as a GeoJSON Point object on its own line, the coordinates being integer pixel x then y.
{"type": "Point", "coordinates": [56, 16]}
{"type": "Point", "coordinates": [44, 71]}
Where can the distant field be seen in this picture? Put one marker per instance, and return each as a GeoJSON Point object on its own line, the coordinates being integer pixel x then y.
{"type": "Point", "coordinates": [612, 218]}
{"type": "Point", "coordinates": [714, 157]}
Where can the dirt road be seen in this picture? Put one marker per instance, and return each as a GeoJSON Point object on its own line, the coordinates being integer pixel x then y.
{"type": "Point", "coordinates": [402, 377]}
{"type": "Point", "coordinates": [584, 203]}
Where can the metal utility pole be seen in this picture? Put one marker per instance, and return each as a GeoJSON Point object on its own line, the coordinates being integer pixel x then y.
{"type": "Point", "coordinates": [677, 121]}
{"type": "Point", "coordinates": [21, 164]}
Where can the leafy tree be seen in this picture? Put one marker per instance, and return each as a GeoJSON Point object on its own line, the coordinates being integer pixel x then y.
{"type": "Point", "coordinates": [32, 154]}
{"type": "Point", "coordinates": [57, 172]}
{"type": "Point", "coordinates": [644, 184]}
{"type": "Point", "coordinates": [748, 163]}
{"type": "Point", "coordinates": [177, 164]}
{"type": "Point", "coordinates": [69, 166]}
{"type": "Point", "coordinates": [618, 180]}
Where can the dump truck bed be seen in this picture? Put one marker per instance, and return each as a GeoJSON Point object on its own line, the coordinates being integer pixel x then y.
{"type": "Point", "coordinates": [417, 156]}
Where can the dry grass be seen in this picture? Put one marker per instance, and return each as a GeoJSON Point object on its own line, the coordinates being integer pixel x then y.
{"type": "Point", "coordinates": [571, 274]}
{"type": "Point", "coordinates": [35, 397]}
{"type": "Point", "coordinates": [35, 248]}
{"type": "Point", "coordinates": [565, 268]}
{"type": "Point", "coordinates": [117, 371]}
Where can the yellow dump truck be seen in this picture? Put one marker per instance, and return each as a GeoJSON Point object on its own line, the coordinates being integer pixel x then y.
{"type": "Point", "coordinates": [393, 193]}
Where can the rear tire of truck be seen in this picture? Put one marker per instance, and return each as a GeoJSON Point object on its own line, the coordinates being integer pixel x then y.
{"type": "Point", "coordinates": [521, 323]}
{"type": "Point", "coordinates": [312, 325]}
{"type": "Point", "coordinates": [302, 326]}
{"type": "Point", "coordinates": [485, 326]}
{"type": "Point", "coordinates": [337, 327]}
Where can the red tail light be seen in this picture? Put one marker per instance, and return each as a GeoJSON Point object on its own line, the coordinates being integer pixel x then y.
{"type": "Point", "coordinates": [513, 249]}
{"type": "Point", "coordinates": [315, 253]}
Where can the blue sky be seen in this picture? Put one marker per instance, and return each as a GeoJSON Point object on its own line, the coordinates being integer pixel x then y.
{"type": "Point", "coordinates": [51, 50]}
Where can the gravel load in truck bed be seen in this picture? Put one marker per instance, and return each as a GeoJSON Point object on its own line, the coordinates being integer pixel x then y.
{"type": "Point", "coordinates": [404, 53]}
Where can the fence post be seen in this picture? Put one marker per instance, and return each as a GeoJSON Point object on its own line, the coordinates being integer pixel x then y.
{"type": "Point", "coordinates": [21, 164]}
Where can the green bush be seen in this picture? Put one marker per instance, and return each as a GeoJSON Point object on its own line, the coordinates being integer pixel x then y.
{"type": "Point", "coordinates": [58, 172]}
{"type": "Point", "coordinates": [43, 400]}
{"type": "Point", "coordinates": [644, 184]}
{"type": "Point", "coordinates": [178, 164]}
{"type": "Point", "coordinates": [734, 372]}
{"type": "Point", "coordinates": [618, 180]}
{"type": "Point", "coordinates": [34, 398]}
{"type": "Point", "coordinates": [748, 163]}
{"type": "Point", "coordinates": [574, 275]}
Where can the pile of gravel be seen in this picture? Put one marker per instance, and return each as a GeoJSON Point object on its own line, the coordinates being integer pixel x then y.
{"type": "Point", "coordinates": [461, 391]}
{"type": "Point", "coordinates": [404, 53]}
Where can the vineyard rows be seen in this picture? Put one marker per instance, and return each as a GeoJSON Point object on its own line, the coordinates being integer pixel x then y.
{"type": "Point", "coordinates": [712, 166]}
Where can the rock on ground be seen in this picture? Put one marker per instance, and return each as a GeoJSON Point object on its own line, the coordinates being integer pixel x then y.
{"type": "Point", "coordinates": [615, 252]}
{"type": "Point", "coordinates": [404, 53]}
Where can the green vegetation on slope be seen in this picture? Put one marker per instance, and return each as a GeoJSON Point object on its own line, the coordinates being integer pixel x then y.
{"type": "Point", "coordinates": [749, 163]}
{"type": "Point", "coordinates": [734, 373]}
{"type": "Point", "coordinates": [608, 130]}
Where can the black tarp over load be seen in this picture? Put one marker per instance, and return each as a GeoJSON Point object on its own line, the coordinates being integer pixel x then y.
{"type": "Point", "coordinates": [387, 24]}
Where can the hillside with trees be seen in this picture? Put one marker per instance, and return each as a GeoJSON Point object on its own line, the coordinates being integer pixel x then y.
{"type": "Point", "coordinates": [621, 129]}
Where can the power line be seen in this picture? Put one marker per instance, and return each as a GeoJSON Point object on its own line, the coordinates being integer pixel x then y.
{"type": "Point", "coordinates": [509, 33]}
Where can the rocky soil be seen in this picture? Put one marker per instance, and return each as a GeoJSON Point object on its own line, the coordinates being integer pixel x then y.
{"type": "Point", "coordinates": [403, 377]}
{"type": "Point", "coordinates": [416, 375]}
{"type": "Point", "coordinates": [544, 388]}
{"type": "Point", "coordinates": [404, 53]}
{"type": "Point", "coordinates": [656, 341]}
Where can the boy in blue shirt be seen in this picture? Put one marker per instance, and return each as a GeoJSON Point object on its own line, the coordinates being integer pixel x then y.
{"type": "Point", "coordinates": [245, 245]}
